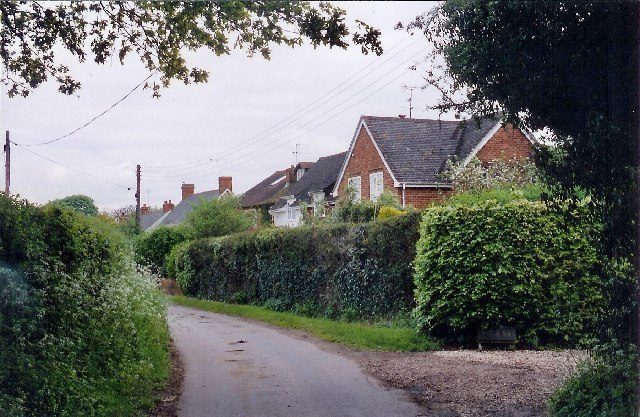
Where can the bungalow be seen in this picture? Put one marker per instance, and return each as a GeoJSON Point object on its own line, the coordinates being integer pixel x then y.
{"type": "Point", "coordinates": [267, 192]}
{"type": "Point", "coordinates": [313, 190]}
{"type": "Point", "coordinates": [176, 215]}
{"type": "Point", "coordinates": [409, 156]}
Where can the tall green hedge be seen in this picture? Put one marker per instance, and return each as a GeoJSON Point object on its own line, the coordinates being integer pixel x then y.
{"type": "Point", "coordinates": [152, 248]}
{"type": "Point", "coordinates": [532, 265]}
{"type": "Point", "coordinates": [81, 334]}
{"type": "Point", "coordinates": [363, 269]}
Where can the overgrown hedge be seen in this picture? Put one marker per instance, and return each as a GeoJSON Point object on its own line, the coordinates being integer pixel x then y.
{"type": "Point", "coordinates": [153, 247]}
{"type": "Point", "coordinates": [361, 270]}
{"type": "Point", "coordinates": [81, 334]}
{"type": "Point", "coordinates": [532, 265]}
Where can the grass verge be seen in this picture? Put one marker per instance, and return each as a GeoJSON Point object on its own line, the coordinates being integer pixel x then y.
{"type": "Point", "coordinates": [354, 335]}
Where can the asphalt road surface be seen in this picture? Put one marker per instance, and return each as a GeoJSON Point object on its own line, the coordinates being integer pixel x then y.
{"type": "Point", "coordinates": [234, 368]}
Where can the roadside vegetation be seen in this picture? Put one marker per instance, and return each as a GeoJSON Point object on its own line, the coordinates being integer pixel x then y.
{"type": "Point", "coordinates": [82, 333]}
{"type": "Point", "coordinates": [358, 335]}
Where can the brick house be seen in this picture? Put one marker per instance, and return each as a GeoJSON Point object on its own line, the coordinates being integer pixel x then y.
{"type": "Point", "coordinates": [409, 156]}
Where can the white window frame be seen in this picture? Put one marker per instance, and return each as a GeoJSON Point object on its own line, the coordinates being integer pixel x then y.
{"type": "Point", "coordinates": [376, 185]}
{"type": "Point", "coordinates": [355, 183]}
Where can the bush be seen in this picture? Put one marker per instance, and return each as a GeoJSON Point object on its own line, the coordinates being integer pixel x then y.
{"type": "Point", "coordinates": [386, 212]}
{"type": "Point", "coordinates": [80, 203]}
{"type": "Point", "coordinates": [152, 248]}
{"type": "Point", "coordinates": [601, 387]}
{"type": "Point", "coordinates": [365, 268]}
{"type": "Point", "coordinates": [218, 217]}
{"type": "Point", "coordinates": [81, 333]}
{"type": "Point", "coordinates": [527, 264]}
{"type": "Point", "coordinates": [499, 195]}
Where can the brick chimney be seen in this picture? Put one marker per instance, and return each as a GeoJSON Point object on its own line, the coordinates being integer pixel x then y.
{"type": "Point", "coordinates": [188, 190]}
{"type": "Point", "coordinates": [167, 206]}
{"type": "Point", "coordinates": [291, 177]}
{"type": "Point", "coordinates": [225, 183]}
{"type": "Point", "coordinates": [144, 209]}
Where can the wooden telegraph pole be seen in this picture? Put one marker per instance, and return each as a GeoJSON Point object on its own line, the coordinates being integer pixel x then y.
{"type": "Point", "coordinates": [138, 197]}
{"type": "Point", "coordinates": [7, 165]}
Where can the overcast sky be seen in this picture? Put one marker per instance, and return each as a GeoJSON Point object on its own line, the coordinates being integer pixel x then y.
{"type": "Point", "coordinates": [195, 133]}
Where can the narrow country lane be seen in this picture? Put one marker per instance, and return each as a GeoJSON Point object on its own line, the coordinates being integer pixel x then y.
{"type": "Point", "coordinates": [234, 368]}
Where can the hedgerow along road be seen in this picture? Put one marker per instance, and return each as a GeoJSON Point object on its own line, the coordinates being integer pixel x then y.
{"type": "Point", "coordinates": [234, 368]}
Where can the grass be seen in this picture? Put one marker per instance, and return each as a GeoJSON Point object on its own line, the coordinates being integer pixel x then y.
{"type": "Point", "coordinates": [354, 335]}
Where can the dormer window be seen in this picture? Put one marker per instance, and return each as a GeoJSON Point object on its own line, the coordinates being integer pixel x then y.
{"type": "Point", "coordinates": [299, 173]}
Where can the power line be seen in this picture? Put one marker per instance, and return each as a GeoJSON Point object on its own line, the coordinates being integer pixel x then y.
{"type": "Point", "coordinates": [301, 113]}
{"type": "Point", "coordinates": [47, 142]}
{"type": "Point", "coordinates": [71, 168]}
{"type": "Point", "coordinates": [312, 128]}
{"type": "Point", "coordinates": [320, 115]}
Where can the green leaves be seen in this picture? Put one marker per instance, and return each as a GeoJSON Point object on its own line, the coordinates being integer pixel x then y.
{"type": "Point", "coordinates": [159, 33]}
{"type": "Point", "coordinates": [361, 269]}
{"type": "Point", "coordinates": [532, 265]}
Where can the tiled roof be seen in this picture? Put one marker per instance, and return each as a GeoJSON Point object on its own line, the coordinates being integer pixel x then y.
{"type": "Point", "coordinates": [321, 177]}
{"type": "Point", "coordinates": [148, 219]}
{"type": "Point", "coordinates": [417, 150]}
{"type": "Point", "coordinates": [180, 211]}
{"type": "Point", "coordinates": [265, 192]}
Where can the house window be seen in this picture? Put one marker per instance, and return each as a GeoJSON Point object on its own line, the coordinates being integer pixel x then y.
{"type": "Point", "coordinates": [355, 184]}
{"type": "Point", "coordinates": [299, 173]}
{"type": "Point", "coordinates": [375, 185]}
{"type": "Point", "coordinates": [291, 215]}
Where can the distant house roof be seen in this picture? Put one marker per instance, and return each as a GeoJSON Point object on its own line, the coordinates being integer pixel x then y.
{"type": "Point", "coordinates": [148, 219]}
{"type": "Point", "coordinates": [180, 211]}
{"type": "Point", "coordinates": [321, 177]}
{"type": "Point", "coordinates": [416, 151]}
{"type": "Point", "coordinates": [266, 191]}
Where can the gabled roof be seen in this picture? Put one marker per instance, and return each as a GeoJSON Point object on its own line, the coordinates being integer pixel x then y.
{"type": "Point", "coordinates": [266, 191]}
{"type": "Point", "coordinates": [148, 219]}
{"type": "Point", "coordinates": [416, 151]}
{"type": "Point", "coordinates": [180, 211]}
{"type": "Point", "coordinates": [321, 177]}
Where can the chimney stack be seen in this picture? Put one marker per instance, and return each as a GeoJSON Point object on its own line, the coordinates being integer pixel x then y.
{"type": "Point", "coordinates": [225, 183]}
{"type": "Point", "coordinates": [291, 177]}
{"type": "Point", "coordinates": [188, 190]}
{"type": "Point", "coordinates": [167, 206]}
{"type": "Point", "coordinates": [144, 209]}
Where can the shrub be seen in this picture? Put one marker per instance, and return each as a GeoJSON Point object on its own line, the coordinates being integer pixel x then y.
{"type": "Point", "coordinates": [527, 264]}
{"type": "Point", "coordinates": [601, 387]}
{"type": "Point", "coordinates": [81, 333]}
{"type": "Point", "coordinates": [348, 210]}
{"type": "Point", "coordinates": [152, 248]}
{"type": "Point", "coordinates": [499, 195]}
{"type": "Point", "coordinates": [386, 212]}
{"type": "Point", "coordinates": [365, 268]}
{"type": "Point", "coordinates": [218, 217]}
{"type": "Point", "coordinates": [80, 203]}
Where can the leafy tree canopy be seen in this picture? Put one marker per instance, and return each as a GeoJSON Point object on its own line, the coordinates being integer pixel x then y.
{"type": "Point", "coordinates": [80, 203]}
{"type": "Point", "coordinates": [545, 64]}
{"type": "Point", "coordinates": [218, 217]}
{"type": "Point", "coordinates": [159, 33]}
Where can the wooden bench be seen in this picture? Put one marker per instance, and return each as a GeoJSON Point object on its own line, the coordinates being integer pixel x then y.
{"type": "Point", "coordinates": [503, 335]}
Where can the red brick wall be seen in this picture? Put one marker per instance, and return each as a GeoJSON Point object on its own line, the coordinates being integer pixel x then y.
{"type": "Point", "coordinates": [507, 143]}
{"type": "Point", "coordinates": [423, 197]}
{"type": "Point", "coordinates": [363, 161]}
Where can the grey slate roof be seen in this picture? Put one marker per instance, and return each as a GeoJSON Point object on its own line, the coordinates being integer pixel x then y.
{"type": "Point", "coordinates": [322, 176]}
{"type": "Point", "coordinates": [266, 191]}
{"type": "Point", "coordinates": [180, 211]}
{"type": "Point", "coordinates": [417, 150]}
{"type": "Point", "coordinates": [148, 219]}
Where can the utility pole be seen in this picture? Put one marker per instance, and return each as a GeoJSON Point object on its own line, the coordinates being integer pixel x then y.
{"type": "Point", "coordinates": [138, 197]}
{"type": "Point", "coordinates": [7, 165]}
